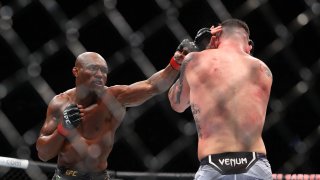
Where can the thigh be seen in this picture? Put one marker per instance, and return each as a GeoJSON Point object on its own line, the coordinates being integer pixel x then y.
{"type": "Point", "coordinates": [261, 169]}
{"type": "Point", "coordinates": [206, 172]}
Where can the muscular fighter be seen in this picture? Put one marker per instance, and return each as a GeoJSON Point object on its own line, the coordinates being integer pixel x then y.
{"type": "Point", "coordinates": [81, 122]}
{"type": "Point", "coordinates": [228, 91]}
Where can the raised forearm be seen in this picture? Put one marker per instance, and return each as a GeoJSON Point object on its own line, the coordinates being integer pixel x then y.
{"type": "Point", "coordinates": [162, 80]}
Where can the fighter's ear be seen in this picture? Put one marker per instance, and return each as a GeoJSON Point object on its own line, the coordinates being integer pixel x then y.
{"type": "Point", "coordinates": [251, 45]}
{"type": "Point", "coordinates": [75, 71]}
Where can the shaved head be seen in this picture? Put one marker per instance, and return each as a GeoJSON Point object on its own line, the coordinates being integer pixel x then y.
{"type": "Point", "coordinates": [91, 71]}
{"type": "Point", "coordinates": [88, 57]}
{"type": "Point", "coordinates": [235, 27]}
{"type": "Point", "coordinates": [235, 23]}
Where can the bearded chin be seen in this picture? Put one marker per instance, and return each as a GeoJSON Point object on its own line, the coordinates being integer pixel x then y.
{"type": "Point", "coordinates": [98, 91]}
{"type": "Point", "coordinates": [85, 91]}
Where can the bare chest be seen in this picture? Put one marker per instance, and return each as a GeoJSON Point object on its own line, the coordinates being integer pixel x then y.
{"type": "Point", "coordinates": [98, 122]}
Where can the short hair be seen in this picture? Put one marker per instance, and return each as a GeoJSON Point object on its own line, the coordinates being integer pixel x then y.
{"type": "Point", "coordinates": [237, 23]}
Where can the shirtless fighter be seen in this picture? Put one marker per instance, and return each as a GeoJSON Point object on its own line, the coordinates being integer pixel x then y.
{"type": "Point", "coordinates": [228, 91]}
{"type": "Point", "coordinates": [81, 122]}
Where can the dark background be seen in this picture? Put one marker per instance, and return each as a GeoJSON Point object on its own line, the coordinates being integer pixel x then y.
{"type": "Point", "coordinates": [40, 39]}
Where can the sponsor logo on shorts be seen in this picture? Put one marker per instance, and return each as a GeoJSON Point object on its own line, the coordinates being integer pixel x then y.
{"type": "Point", "coordinates": [233, 161]}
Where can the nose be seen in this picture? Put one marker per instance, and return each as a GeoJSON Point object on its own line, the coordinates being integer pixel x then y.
{"type": "Point", "coordinates": [98, 73]}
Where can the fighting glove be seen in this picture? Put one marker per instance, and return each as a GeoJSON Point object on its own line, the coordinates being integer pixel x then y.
{"type": "Point", "coordinates": [71, 119]}
{"type": "Point", "coordinates": [202, 38]}
{"type": "Point", "coordinates": [186, 46]}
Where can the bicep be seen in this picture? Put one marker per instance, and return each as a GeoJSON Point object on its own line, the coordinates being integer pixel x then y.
{"type": "Point", "coordinates": [49, 125]}
{"type": "Point", "coordinates": [135, 94]}
{"type": "Point", "coordinates": [52, 119]}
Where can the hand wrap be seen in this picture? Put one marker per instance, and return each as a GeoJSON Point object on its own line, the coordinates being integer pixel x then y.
{"type": "Point", "coordinates": [186, 46]}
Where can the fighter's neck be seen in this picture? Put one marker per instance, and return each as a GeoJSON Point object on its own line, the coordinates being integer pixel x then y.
{"type": "Point", "coordinates": [232, 45]}
{"type": "Point", "coordinates": [86, 98]}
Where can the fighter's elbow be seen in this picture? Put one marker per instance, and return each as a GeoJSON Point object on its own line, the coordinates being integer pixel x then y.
{"type": "Point", "coordinates": [178, 108]}
{"type": "Point", "coordinates": [43, 157]}
{"type": "Point", "coordinates": [43, 154]}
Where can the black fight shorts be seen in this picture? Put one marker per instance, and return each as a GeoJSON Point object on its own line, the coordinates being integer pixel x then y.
{"type": "Point", "coordinates": [62, 173]}
{"type": "Point", "coordinates": [232, 162]}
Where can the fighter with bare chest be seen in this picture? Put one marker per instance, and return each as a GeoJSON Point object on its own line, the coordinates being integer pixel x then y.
{"type": "Point", "coordinates": [81, 122]}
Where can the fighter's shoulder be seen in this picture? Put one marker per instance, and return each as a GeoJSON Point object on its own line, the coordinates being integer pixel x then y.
{"type": "Point", "coordinates": [262, 63]}
{"type": "Point", "coordinates": [115, 90]}
{"type": "Point", "coordinates": [254, 60]}
{"type": "Point", "coordinates": [263, 66]}
{"type": "Point", "coordinates": [62, 98]}
{"type": "Point", "coordinates": [194, 58]}
{"type": "Point", "coordinates": [191, 58]}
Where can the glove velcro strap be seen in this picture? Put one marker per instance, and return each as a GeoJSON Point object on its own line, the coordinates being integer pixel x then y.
{"type": "Point", "coordinates": [174, 64]}
{"type": "Point", "coordinates": [62, 130]}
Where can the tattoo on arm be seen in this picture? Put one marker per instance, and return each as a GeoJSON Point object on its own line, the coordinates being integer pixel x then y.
{"type": "Point", "coordinates": [196, 111]}
{"type": "Point", "coordinates": [179, 91]}
{"type": "Point", "coordinates": [180, 85]}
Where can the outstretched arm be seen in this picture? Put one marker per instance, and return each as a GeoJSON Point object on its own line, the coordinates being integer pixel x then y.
{"type": "Point", "coordinates": [137, 93]}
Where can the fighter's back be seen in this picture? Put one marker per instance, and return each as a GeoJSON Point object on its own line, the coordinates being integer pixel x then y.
{"type": "Point", "coordinates": [229, 92]}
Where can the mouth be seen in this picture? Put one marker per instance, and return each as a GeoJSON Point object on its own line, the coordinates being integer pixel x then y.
{"type": "Point", "coordinates": [98, 83]}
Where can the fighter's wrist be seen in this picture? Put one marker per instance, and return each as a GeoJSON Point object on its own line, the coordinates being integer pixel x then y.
{"type": "Point", "coordinates": [62, 130]}
{"type": "Point", "coordinates": [174, 64]}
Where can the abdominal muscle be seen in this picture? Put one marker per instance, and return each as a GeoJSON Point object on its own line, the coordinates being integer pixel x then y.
{"type": "Point", "coordinates": [90, 156]}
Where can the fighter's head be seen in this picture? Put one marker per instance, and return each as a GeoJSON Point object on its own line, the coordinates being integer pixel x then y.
{"type": "Point", "coordinates": [209, 37]}
{"type": "Point", "coordinates": [91, 71]}
{"type": "Point", "coordinates": [237, 29]}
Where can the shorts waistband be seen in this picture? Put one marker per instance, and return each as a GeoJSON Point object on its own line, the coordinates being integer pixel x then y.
{"type": "Point", "coordinates": [76, 173]}
{"type": "Point", "coordinates": [232, 162]}
{"type": "Point", "coordinates": [206, 159]}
